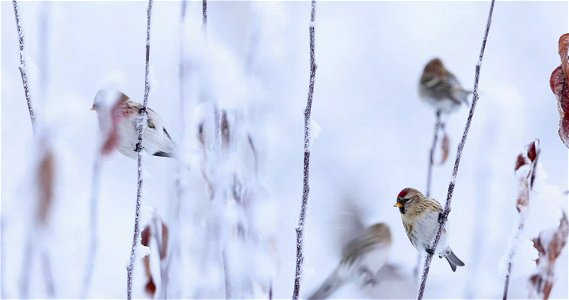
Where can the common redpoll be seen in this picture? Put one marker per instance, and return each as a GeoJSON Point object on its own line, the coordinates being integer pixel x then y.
{"type": "Point", "coordinates": [156, 139]}
{"type": "Point", "coordinates": [440, 88]}
{"type": "Point", "coordinates": [420, 217]}
{"type": "Point", "coordinates": [362, 259]}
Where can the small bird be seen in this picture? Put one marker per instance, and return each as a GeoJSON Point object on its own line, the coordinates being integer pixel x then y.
{"type": "Point", "coordinates": [156, 139]}
{"type": "Point", "coordinates": [440, 88]}
{"type": "Point", "coordinates": [420, 216]}
{"type": "Point", "coordinates": [362, 259]}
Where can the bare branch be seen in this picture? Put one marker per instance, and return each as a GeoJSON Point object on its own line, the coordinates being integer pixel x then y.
{"type": "Point", "coordinates": [140, 127]}
{"type": "Point", "coordinates": [432, 152]}
{"type": "Point", "coordinates": [306, 186]}
{"type": "Point", "coordinates": [23, 68]}
{"type": "Point", "coordinates": [458, 156]}
{"type": "Point", "coordinates": [93, 216]}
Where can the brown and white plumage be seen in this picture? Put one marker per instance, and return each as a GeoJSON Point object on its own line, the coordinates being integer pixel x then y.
{"type": "Point", "coordinates": [156, 139]}
{"type": "Point", "coordinates": [420, 216]}
{"type": "Point", "coordinates": [362, 259]}
{"type": "Point", "coordinates": [441, 88]}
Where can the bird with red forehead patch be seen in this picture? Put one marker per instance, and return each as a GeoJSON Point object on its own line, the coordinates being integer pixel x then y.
{"type": "Point", "coordinates": [124, 112]}
{"type": "Point", "coordinates": [440, 88]}
{"type": "Point", "coordinates": [420, 216]}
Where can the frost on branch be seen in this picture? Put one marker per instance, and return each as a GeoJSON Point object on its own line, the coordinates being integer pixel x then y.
{"type": "Point", "coordinates": [559, 87]}
{"type": "Point", "coordinates": [549, 244]}
{"type": "Point", "coordinates": [525, 168]}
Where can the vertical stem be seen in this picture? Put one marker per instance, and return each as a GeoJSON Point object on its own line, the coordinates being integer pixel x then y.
{"type": "Point", "coordinates": [93, 216]}
{"type": "Point", "coordinates": [452, 183]}
{"type": "Point", "coordinates": [306, 185]}
{"type": "Point", "coordinates": [140, 127]}
{"type": "Point", "coordinates": [22, 67]}
{"type": "Point", "coordinates": [432, 153]}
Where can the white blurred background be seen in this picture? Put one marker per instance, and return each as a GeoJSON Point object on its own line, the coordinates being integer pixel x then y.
{"type": "Point", "coordinates": [375, 136]}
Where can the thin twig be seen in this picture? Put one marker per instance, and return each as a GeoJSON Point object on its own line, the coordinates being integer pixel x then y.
{"type": "Point", "coordinates": [432, 152]}
{"type": "Point", "coordinates": [306, 187]}
{"type": "Point", "coordinates": [93, 216]}
{"type": "Point", "coordinates": [452, 183]}
{"type": "Point", "coordinates": [140, 127]}
{"type": "Point", "coordinates": [22, 67]}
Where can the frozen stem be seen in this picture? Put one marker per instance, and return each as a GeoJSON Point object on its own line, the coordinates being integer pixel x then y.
{"type": "Point", "coordinates": [93, 216]}
{"type": "Point", "coordinates": [140, 126]}
{"type": "Point", "coordinates": [458, 156]}
{"type": "Point", "coordinates": [306, 186]}
{"type": "Point", "coordinates": [22, 67]}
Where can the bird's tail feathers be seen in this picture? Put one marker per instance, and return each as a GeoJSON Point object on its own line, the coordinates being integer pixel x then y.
{"type": "Point", "coordinates": [454, 261]}
{"type": "Point", "coordinates": [330, 285]}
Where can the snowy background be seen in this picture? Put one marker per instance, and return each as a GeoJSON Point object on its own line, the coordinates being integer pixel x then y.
{"type": "Point", "coordinates": [374, 140]}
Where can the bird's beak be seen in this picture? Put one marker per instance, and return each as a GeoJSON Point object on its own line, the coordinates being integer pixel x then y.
{"type": "Point", "coordinates": [398, 204]}
{"type": "Point", "coordinates": [92, 108]}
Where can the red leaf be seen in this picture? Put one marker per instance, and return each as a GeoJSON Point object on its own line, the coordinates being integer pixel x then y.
{"type": "Point", "coordinates": [150, 287]}
{"type": "Point", "coordinates": [46, 178]}
{"type": "Point", "coordinates": [112, 138]}
{"type": "Point", "coordinates": [164, 245]}
{"type": "Point", "coordinates": [563, 47]}
{"type": "Point", "coordinates": [560, 88]}
{"type": "Point", "coordinates": [146, 236]}
{"type": "Point", "coordinates": [520, 161]}
{"type": "Point", "coordinates": [558, 82]}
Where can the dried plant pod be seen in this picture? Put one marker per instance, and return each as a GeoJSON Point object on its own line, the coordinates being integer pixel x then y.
{"type": "Point", "coordinates": [549, 245]}
{"type": "Point", "coordinates": [46, 181]}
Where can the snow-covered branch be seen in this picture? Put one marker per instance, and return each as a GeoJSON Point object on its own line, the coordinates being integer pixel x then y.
{"type": "Point", "coordinates": [306, 186]}
{"type": "Point", "coordinates": [22, 67]}
{"type": "Point", "coordinates": [525, 168]}
{"type": "Point", "coordinates": [140, 127]}
{"type": "Point", "coordinates": [446, 211]}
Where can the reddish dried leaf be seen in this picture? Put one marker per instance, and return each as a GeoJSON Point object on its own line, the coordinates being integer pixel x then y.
{"type": "Point", "coordinates": [150, 287]}
{"type": "Point", "coordinates": [532, 151]}
{"type": "Point", "coordinates": [520, 161]}
{"type": "Point", "coordinates": [112, 136]}
{"type": "Point", "coordinates": [146, 236]}
{"type": "Point", "coordinates": [445, 148]}
{"type": "Point", "coordinates": [45, 178]}
{"type": "Point", "coordinates": [559, 87]}
{"type": "Point", "coordinates": [542, 280]}
{"type": "Point", "coordinates": [563, 44]}
{"type": "Point", "coordinates": [164, 245]}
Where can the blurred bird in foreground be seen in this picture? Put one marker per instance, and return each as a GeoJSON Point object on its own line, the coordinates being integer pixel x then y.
{"type": "Point", "coordinates": [123, 114]}
{"type": "Point", "coordinates": [440, 88]}
{"type": "Point", "coordinates": [420, 216]}
{"type": "Point", "coordinates": [362, 259]}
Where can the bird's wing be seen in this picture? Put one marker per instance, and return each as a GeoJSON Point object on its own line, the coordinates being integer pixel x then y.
{"type": "Point", "coordinates": [429, 80]}
{"type": "Point", "coordinates": [436, 204]}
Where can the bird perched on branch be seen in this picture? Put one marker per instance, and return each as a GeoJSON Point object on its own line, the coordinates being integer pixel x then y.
{"type": "Point", "coordinates": [362, 259]}
{"type": "Point", "coordinates": [440, 88]}
{"type": "Point", "coordinates": [124, 113]}
{"type": "Point", "coordinates": [421, 218]}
